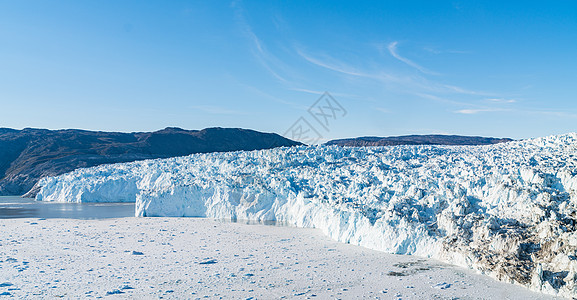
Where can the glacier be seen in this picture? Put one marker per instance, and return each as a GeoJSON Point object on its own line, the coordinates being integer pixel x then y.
{"type": "Point", "coordinates": [507, 210]}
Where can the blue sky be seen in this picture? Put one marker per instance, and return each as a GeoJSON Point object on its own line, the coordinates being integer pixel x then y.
{"type": "Point", "coordinates": [502, 68]}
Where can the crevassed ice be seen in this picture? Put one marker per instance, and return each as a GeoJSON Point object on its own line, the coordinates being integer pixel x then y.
{"type": "Point", "coordinates": [508, 210]}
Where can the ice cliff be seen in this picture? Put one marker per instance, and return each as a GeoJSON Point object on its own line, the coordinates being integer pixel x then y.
{"type": "Point", "coordinates": [508, 210]}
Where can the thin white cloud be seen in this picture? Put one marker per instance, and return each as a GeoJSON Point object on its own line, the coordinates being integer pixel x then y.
{"type": "Point", "coordinates": [275, 66]}
{"type": "Point", "coordinates": [307, 91]}
{"type": "Point", "coordinates": [411, 84]}
{"type": "Point", "coordinates": [476, 111]}
{"type": "Point", "coordinates": [345, 69]}
{"type": "Point", "coordinates": [333, 66]}
{"type": "Point", "coordinates": [266, 59]}
{"type": "Point", "coordinates": [560, 114]}
{"type": "Point", "coordinates": [466, 91]}
{"type": "Point", "coordinates": [393, 51]}
{"type": "Point", "coordinates": [383, 110]}
{"type": "Point", "coordinates": [415, 84]}
{"type": "Point", "coordinates": [468, 111]}
{"type": "Point", "coordinates": [500, 100]}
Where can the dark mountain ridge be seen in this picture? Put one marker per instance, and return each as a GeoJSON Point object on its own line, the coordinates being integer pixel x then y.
{"type": "Point", "coordinates": [29, 154]}
{"type": "Point", "coordinates": [432, 139]}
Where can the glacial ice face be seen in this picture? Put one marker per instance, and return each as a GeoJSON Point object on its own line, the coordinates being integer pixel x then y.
{"type": "Point", "coordinates": [508, 210]}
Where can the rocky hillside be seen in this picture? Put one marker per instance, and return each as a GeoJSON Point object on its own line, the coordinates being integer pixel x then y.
{"type": "Point", "coordinates": [418, 140]}
{"type": "Point", "coordinates": [30, 154]}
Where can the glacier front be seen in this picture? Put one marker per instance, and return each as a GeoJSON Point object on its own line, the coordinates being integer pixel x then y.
{"type": "Point", "coordinates": [507, 210]}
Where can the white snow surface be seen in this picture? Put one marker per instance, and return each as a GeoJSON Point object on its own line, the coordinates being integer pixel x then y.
{"type": "Point", "coordinates": [198, 258]}
{"type": "Point", "coordinates": [507, 210]}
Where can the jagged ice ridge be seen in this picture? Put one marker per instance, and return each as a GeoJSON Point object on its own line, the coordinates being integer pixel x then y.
{"type": "Point", "coordinates": [508, 210]}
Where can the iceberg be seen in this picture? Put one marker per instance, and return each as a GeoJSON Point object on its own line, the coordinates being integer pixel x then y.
{"type": "Point", "coordinates": [507, 210]}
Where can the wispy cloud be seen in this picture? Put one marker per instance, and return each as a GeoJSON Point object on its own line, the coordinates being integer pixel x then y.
{"type": "Point", "coordinates": [333, 66]}
{"type": "Point", "coordinates": [476, 111]}
{"type": "Point", "coordinates": [383, 110]}
{"type": "Point", "coordinates": [501, 100]}
{"type": "Point", "coordinates": [286, 74]}
{"type": "Point", "coordinates": [413, 84]}
{"type": "Point", "coordinates": [560, 114]}
{"type": "Point", "coordinates": [394, 52]}
{"type": "Point", "coordinates": [264, 57]}
{"type": "Point", "coordinates": [308, 91]}
{"type": "Point", "coordinates": [348, 70]}
{"type": "Point", "coordinates": [461, 90]}
{"type": "Point", "coordinates": [418, 84]}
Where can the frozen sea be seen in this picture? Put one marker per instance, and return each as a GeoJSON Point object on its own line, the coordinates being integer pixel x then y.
{"type": "Point", "coordinates": [196, 258]}
{"type": "Point", "coordinates": [73, 250]}
{"type": "Point", "coordinates": [17, 207]}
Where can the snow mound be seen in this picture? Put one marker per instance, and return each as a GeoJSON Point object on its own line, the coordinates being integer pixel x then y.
{"type": "Point", "coordinates": [508, 210]}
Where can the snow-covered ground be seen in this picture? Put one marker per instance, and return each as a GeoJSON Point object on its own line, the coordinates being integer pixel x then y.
{"type": "Point", "coordinates": [507, 210]}
{"type": "Point", "coordinates": [192, 258]}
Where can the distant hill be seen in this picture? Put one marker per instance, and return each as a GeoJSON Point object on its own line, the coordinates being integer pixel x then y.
{"type": "Point", "coordinates": [30, 154]}
{"type": "Point", "coordinates": [434, 139]}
